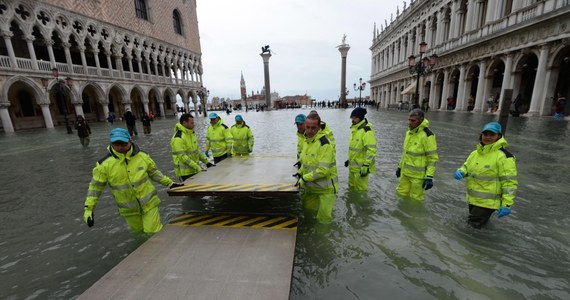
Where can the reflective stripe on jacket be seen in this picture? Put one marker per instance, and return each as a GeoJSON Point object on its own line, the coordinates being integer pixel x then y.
{"type": "Point", "coordinates": [300, 143]}
{"type": "Point", "coordinates": [219, 139]}
{"type": "Point", "coordinates": [318, 165]}
{"type": "Point", "coordinates": [129, 177]}
{"type": "Point", "coordinates": [362, 147]}
{"type": "Point", "coordinates": [491, 174]}
{"type": "Point", "coordinates": [420, 152]}
{"type": "Point", "coordinates": [185, 151]}
{"type": "Point", "coordinates": [242, 139]}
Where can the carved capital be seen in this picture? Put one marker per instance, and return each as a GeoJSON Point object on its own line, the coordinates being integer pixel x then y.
{"type": "Point", "coordinates": [4, 105]}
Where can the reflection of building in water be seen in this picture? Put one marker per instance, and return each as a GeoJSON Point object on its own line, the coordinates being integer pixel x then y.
{"type": "Point", "coordinates": [483, 47]}
{"type": "Point", "coordinates": [122, 55]}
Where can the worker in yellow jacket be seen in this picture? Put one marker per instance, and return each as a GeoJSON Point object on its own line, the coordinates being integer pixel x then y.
{"type": "Point", "coordinates": [128, 171]}
{"type": "Point", "coordinates": [218, 139]}
{"type": "Point", "coordinates": [317, 176]}
{"type": "Point", "coordinates": [300, 123]}
{"type": "Point", "coordinates": [417, 165]}
{"type": "Point", "coordinates": [242, 137]}
{"type": "Point", "coordinates": [186, 154]}
{"type": "Point", "coordinates": [491, 174]}
{"type": "Point", "coordinates": [361, 151]}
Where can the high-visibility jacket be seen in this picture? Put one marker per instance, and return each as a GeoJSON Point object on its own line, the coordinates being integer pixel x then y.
{"type": "Point", "coordinates": [129, 176]}
{"type": "Point", "coordinates": [318, 165]}
{"type": "Point", "coordinates": [491, 174]}
{"type": "Point", "coordinates": [420, 152]}
{"type": "Point", "coordinates": [300, 142]}
{"type": "Point", "coordinates": [219, 139]}
{"type": "Point", "coordinates": [362, 147]}
{"type": "Point", "coordinates": [185, 152]}
{"type": "Point", "coordinates": [242, 139]}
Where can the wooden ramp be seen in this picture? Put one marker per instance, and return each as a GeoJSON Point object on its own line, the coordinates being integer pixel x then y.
{"type": "Point", "coordinates": [243, 175]}
{"type": "Point", "coordinates": [207, 257]}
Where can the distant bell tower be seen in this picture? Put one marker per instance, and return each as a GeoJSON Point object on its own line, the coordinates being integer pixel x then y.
{"type": "Point", "coordinates": [242, 87]}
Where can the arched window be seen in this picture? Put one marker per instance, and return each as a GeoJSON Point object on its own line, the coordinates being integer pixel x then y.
{"type": "Point", "coordinates": [177, 22]}
{"type": "Point", "coordinates": [141, 9]}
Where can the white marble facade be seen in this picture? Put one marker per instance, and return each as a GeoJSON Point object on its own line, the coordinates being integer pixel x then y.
{"type": "Point", "coordinates": [483, 48]}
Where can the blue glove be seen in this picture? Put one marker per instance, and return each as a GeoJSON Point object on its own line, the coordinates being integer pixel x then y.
{"type": "Point", "coordinates": [428, 184]}
{"type": "Point", "coordinates": [503, 211]}
{"type": "Point", "coordinates": [206, 153]}
{"type": "Point", "coordinates": [458, 174]}
{"type": "Point", "coordinates": [398, 172]}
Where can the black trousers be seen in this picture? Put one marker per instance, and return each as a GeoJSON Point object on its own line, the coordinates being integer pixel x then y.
{"type": "Point", "coordinates": [479, 216]}
{"type": "Point", "coordinates": [220, 158]}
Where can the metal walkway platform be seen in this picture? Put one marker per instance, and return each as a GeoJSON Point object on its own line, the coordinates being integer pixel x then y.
{"type": "Point", "coordinates": [243, 175]}
{"type": "Point", "coordinates": [207, 257]}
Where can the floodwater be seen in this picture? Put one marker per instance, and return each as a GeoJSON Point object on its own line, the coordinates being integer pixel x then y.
{"type": "Point", "coordinates": [378, 245]}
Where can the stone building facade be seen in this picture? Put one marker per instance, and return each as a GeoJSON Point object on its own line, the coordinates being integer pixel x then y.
{"type": "Point", "coordinates": [483, 47]}
{"type": "Point", "coordinates": [118, 54]}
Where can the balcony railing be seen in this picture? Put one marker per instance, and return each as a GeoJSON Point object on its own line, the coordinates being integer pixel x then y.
{"type": "Point", "coordinates": [25, 64]}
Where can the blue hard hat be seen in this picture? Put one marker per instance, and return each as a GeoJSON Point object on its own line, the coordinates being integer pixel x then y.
{"type": "Point", "coordinates": [492, 127]}
{"type": "Point", "coordinates": [213, 115]}
{"type": "Point", "coordinates": [300, 118]}
{"type": "Point", "coordinates": [239, 118]}
{"type": "Point", "coordinates": [119, 134]}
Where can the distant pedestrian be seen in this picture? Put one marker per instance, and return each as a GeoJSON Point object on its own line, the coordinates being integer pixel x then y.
{"type": "Point", "coordinates": [242, 137]}
{"type": "Point", "coordinates": [130, 119]}
{"type": "Point", "coordinates": [417, 165]}
{"type": "Point", "coordinates": [560, 107]}
{"type": "Point", "coordinates": [111, 117]}
{"type": "Point", "coordinates": [491, 174]}
{"type": "Point", "coordinates": [83, 130]}
{"type": "Point", "coordinates": [146, 123]}
{"type": "Point", "coordinates": [128, 171]}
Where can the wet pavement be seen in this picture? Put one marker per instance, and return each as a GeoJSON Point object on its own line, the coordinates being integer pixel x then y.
{"type": "Point", "coordinates": [378, 246]}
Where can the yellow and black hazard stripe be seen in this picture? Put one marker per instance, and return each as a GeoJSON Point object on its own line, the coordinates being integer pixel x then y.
{"type": "Point", "coordinates": [236, 221]}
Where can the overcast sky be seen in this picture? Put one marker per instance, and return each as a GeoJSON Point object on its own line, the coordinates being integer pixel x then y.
{"type": "Point", "coordinates": [302, 35]}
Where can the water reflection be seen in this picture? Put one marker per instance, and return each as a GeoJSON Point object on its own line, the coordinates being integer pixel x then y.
{"type": "Point", "coordinates": [378, 246]}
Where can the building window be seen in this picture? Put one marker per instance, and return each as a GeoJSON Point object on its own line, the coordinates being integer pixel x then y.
{"type": "Point", "coordinates": [177, 22]}
{"type": "Point", "coordinates": [141, 9]}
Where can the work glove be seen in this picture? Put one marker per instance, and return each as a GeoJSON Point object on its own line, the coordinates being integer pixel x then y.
{"type": "Point", "coordinates": [209, 164]}
{"type": "Point", "coordinates": [297, 165]}
{"type": "Point", "coordinates": [299, 178]}
{"type": "Point", "coordinates": [88, 216]}
{"type": "Point", "coordinates": [175, 185]}
{"type": "Point", "coordinates": [398, 172]}
{"type": "Point", "coordinates": [364, 171]}
{"type": "Point", "coordinates": [428, 184]}
{"type": "Point", "coordinates": [346, 164]}
{"type": "Point", "coordinates": [503, 211]}
{"type": "Point", "coordinates": [206, 153]}
{"type": "Point", "coordinates": [458, 175]}
{"type": "Point", "coordinates": [250, 149]}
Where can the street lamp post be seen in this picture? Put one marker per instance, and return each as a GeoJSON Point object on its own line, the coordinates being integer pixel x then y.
{"type": "Point", "coordinates": [422, 67]}
{"type": "Point", "coordinates": [360, 87]}
{"type": "Point", "coordinates": [60, 87]}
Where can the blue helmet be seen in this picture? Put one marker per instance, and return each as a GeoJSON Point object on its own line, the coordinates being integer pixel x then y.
{"type": "Point", "coordinates": [492, 127]}
{"type": "Point", "coordinates": [213, 115]}
{"type": "Point", "coordinates": [300, 119]}
{"type": "Point", "coordinates": [119, 134]}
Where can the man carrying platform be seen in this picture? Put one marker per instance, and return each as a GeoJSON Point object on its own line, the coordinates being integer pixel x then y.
{"type": "Point", "coordinates": [128, 171]}
{"type": "Point", "coordinates": [317, 175]}
{"type": "Point", "coordinates": [242, 137]}
{"type": "Point", "coordinates": [186, 154]}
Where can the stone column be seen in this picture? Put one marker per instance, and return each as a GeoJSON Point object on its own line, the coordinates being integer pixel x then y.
{"type": "Point", "coordinates": [83, 59]}
{"type": "Point", "coordinates": [481, 86]}
{"type": "Point", "coordinates": [453, 26]}
{"type": "Point", "coordinates": [444, 90]}
{"type": "Point", "coordinates": [432, 100]}
{"type": "Point", "coordinates": [5, 117]}
{"type": "Point", "coordinates": [13, 63]}
{"type": "Point", "coordinates": [130, 60]}
{"type": "Point", "coordinates": [118, 55]}
{"type": "Point", "coordinates": [97, 63]}
{"type": "Point", "coordinates": [343, 49]}
{"type": "Point", "coordinates": [439, 29]}
{"type": "Point", "coordinates": [480, 107]}
{"type": "Point", "coordinates": [30, 42]}
{"type": "Point", "coordinates": [78, 110]}
{"type": "Point", "coordinates": [471, 14]}
{"type": "Point", "coordinates": [109, 63]}
{"type": "Point", "coordinates": [538, 89]}
{"type": "Point", "coordinates": [161, 107]}
{"type": "Point", "coordinates": [46, 114]}
{"type": "Point", "coordinates": [49, 46]}
{"type": "Point", "coordinates": [507, 81]}
{"type": "Point", "coordinates": [105, 107]}
{"type": "Point", "coordinates": [66, 46]}
{"type": "Point", "coordinates": [460, 101]}
{"type": "Point", "coordinates": [265, 56]}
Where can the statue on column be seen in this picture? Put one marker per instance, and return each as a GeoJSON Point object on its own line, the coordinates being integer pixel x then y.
{"type": "Point", "coordinates": [265, 49]}
{"type": "Point", "coordinates": [343, 39]}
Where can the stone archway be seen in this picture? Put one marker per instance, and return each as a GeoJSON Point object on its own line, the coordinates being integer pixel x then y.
{"type": "Point", "coordinates": [525, 76]}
